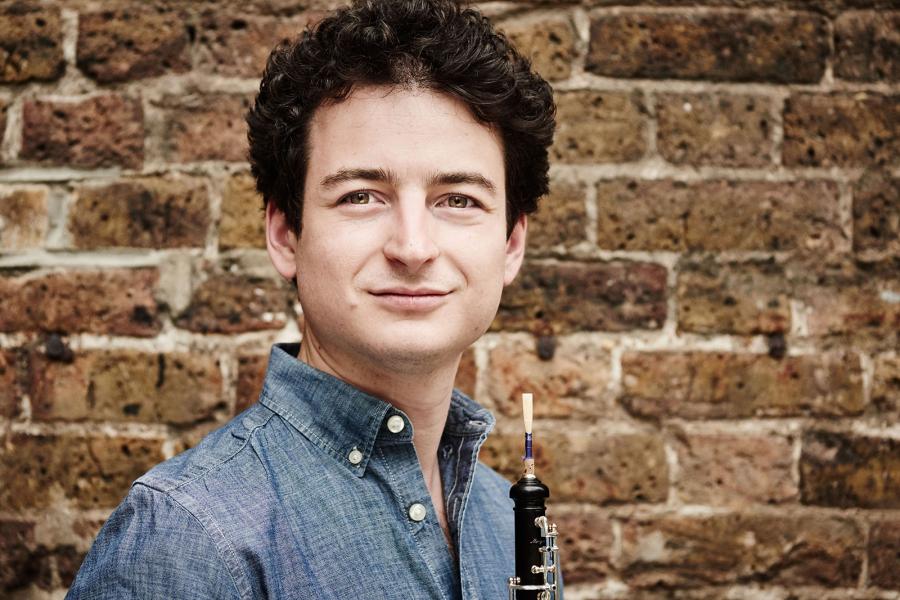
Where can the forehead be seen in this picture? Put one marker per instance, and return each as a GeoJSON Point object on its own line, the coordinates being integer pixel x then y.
{"type": "Point", "coordinates": [405, 130]}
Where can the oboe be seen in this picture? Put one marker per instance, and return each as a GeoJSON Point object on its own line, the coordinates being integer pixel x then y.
{"type": "Point", "coordinates": [537, 555]}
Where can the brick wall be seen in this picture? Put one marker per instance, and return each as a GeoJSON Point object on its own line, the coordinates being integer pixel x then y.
{"type": "Point", "coordinates": [708, 316]}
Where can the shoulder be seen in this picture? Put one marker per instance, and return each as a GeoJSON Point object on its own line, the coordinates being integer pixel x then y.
{"type": "Point", "coordinates": [492, 488]}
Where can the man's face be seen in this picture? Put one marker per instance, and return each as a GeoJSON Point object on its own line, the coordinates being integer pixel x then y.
{"type": "Point", "coordinates": [403, 253]}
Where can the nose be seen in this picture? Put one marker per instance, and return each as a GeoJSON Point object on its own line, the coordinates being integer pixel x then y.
{"type": "Point", "coordinates": [410, 241]}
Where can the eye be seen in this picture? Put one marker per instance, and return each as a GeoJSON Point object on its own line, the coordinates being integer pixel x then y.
{"type": "Point", "coordinates": [357, 198]}
{"type": "Point", "coordinates": [459, 202]}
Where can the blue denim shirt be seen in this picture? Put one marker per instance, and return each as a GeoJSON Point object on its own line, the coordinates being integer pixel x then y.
{"type": "Point", "coordinates": [307, 494]}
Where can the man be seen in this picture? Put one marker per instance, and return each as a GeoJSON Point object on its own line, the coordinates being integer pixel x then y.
{"type": "Point", "coordinates": [399, 147]}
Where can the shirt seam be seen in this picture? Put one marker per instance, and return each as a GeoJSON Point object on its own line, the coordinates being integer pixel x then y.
{"type": "Point", "coordinates": [230, 565]}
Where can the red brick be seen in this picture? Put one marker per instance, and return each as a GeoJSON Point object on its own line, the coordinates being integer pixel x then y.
{"type": "Point", "coordinates": [466, 374]}
{"type": "Point", "coordinates": [114, 301]}
{"type": "Point", "coordinates": [10, 383]}
{"type": "Point", "coordinates": [23, 219]}
{"type": "Point", "coordinates": [715, 129]}
{"type": "Point", "coordinates": [126, 385]}
{"type": "Point", "coordinates": [91, 472]}
{"type": "Point", "coordinates": [585, 541]}
{"type": "Point", "coordinates": [236, 303]}
{"type": "Point", "coordinates": [746, 215]}
{"type": "Point", "coordinates": [624, 467]}
{"type": "Point", "coordinates": [207, 127]}
{"type": "Point", "coordinates": [743, 298]}
{"type": "Point", "coordinates": [30, 44]}
{"type": "Point", "coordinates": [559, 224]}
{"type": "Point", "coordinates": [884, 554]}
{"type": "Point", "coordinates": [132, 43]}
{"type": "Point", "coordinates": [573, 384]}
{"type": "Point", "coordinates": [866, 46]}
{"type": "Point", "coordinates": [735, 469]}
{"type": "Point", "coordinates": [598, 127]}
{"type": "Point", "coordinates": [243, 223]}
{"type": "Point", "coordinates": [547, 40]}
{"type": "Point", "coordinates": [251, 374]}
{"type": "Point", "coordinates": [719, 46]}
{"type": "Point", "coordinates": [790, 550]}
{"type": "Point", "coordinates": [845, 470]}
{"type": "Point", "coordinates": [567, 297]}
{"type": "Point", "coordinates": [100, 131]}
{"type": "Point", "coordinates": [238, 43]}
{"type": "Point", "coordinates": [718, 385]}
{"type": "Point", "coordinates": [141, 213]}
{"type": "Point", "coordinates": [876, 213]}
{"type": "Point", "coordinates": [841, 129]}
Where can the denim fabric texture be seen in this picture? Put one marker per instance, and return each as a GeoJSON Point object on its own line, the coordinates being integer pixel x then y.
{"type": "Point", "coordinates": [272, 506]}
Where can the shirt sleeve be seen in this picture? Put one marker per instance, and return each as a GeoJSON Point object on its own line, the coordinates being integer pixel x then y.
{"type": "Point", "coordinates": [152, 547]}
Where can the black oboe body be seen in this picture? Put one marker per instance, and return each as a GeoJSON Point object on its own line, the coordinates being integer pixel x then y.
{"type": "Point", "coordinates": [529, 496]}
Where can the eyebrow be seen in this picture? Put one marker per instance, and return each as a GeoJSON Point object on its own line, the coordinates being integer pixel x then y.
{"type": "Point", "coordinates": [388, 176]}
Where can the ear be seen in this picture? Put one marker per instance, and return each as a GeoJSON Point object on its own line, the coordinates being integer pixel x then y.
{"type": "Point", "coordinates": [281, 242]}
{"type": "Point", "coordinates": [515, 249]}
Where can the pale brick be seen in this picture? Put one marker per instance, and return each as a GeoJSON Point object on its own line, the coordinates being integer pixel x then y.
{"type": "Point", "coordinates": [568, 297]}
{"type": "Point", "coordinates": [718, 385]}
{"type": "Point", "coordinates": [126, 385]}
{"type": "Point", "coordinates": [30, 44]}
{"type": "Point", "coordinates": [598, 127]}
{"type": "Point", "coordinates": [141, 213]}
{"type": "Point", "coordinates": [560, 221]}
{"type": "Point", "coordinates": [586, 542]}
{"type": "Point", "coordinates": [243, 223]}
{"type": "Point", "coordinates": [23, 219]}
{"type": "Point", "coordinates": [573, 384]}
{"type": "Point", "coordinates": [718, 46]}
{"type": "Point", "coordinates": [886, 385]}
{"type": "Point", "coordinates": [548, 42]}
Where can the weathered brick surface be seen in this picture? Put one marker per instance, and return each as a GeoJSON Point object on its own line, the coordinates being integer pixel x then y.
{"type": "Point", "coordinates": [721, 129]}
{"type": "Point", "coordinates": [114, 301]}
{"type": "Point", "coordinates": [548, 42]}
{"type": "Point", "coordinates": [876, 213]}
{"type": "Point", "coordinates": [132, 43]}
{"type": "Point", "coordinates": [598, 127]}
{"type": "Point", "coordinates": [718, 385]}
{"type": "Point", "coordinates": [126, 385]}
{"type": "Point", "coordinates": [466, 374]}
{"type": "Point", "coordinates": [251, 374]}
{"type": "Point", "coordinates": [23, 219]}
{"type": "Point", "coordinates": [625, 467]}
{"type": "Point", "coordinates": [243, 223]}
{"type": "Point", "coordinates": [237, 44]}
{"type": "Point", "coordinates": [790, 550]}
{"type": "Point", "coordinates": [718, 215]}
{"type": "Point", "coordinates": [567, 297]}
{"type": "Point", "coordinates": [560, 222]}
{"type": "Point", "coordinates": [886, 385]}
{"type": "Point", "coordinates": [867, 46]}
{"type": "Point", "coordinates": [572, 384]}
{"type": "Point", "coordinates": [141, 213]}
{"type": "Point", "coordinates": [9, 383]}
{"type": "Point", "coordinates": [841, 129]}
{"type": "Point", "coordinates": [100, 131]}
{"type": "Point", "coordinates": [91, 472]}
{"type": "Point", "coordinates": [30, 44]}
{"type": "Point", "coordinates": [844, 470]}
{"type": "Point", "coordinates": [236, 303]}
{"type": "Point", "coordinates": [586, 542]}
{"type": "Point", "coordinates": [742, 298]}
{"type": "Point", "coordinates": [719, 46]}
{"type": "Point", "coordinates": [207, 127]}
{"type": "Point", "coordinates": [884, 554]}
{"type": "Point", "coordinates": [735, 470]}
{"type": "Point", "coordinates": [17, 565]}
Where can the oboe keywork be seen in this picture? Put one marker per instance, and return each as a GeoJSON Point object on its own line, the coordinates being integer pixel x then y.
{"type": "Point", "coordinates": [537, 555]}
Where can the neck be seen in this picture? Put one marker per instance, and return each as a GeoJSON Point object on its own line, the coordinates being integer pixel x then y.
{"type": "Point", "coordinates": [423, 395]}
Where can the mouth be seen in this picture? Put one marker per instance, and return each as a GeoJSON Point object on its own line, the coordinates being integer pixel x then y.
{"type": "Point", "coordinates": [411, 299]}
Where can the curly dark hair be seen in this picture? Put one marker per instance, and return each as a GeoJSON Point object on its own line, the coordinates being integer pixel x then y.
{"type": "Point", "coordinates": [433, 44]}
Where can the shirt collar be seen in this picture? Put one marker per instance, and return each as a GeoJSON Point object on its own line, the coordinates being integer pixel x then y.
{"type": "Point", "coordinates": [340, 418]}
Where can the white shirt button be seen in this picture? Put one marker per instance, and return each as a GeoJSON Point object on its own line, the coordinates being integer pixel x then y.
{"type": "Point", "coordinates": [395, 424]}
{"type": "Point", "coordinates": [417, 512]}
{"type": "Point", "coordinates": [355, 457]}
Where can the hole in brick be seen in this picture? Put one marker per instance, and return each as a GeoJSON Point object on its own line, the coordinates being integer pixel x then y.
{"type": "Point", "coordinates": [192, 32]}
{"type": "Point", "coordinates": [239, 24]}
{"type": "Point", "coordinates": [40, 22]}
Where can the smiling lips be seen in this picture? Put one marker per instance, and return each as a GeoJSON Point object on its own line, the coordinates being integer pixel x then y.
{"type": "Point", "coordinates": [409, 299]}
